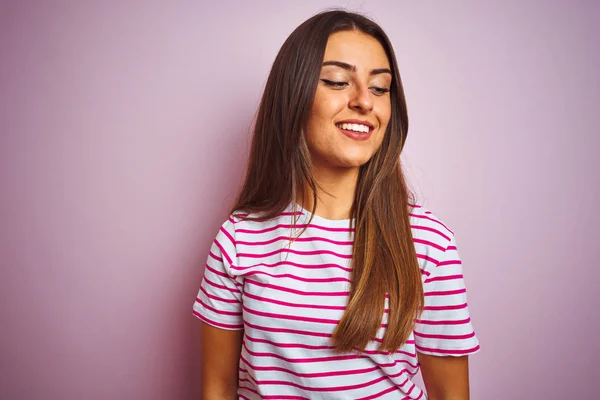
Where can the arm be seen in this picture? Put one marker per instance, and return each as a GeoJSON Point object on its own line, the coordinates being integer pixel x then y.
{"type": "Point", "coordinates": [219, 362]}
{"type": "Point", "coordinates": [444, 334]}
{"type": "Point", "coordinates": [445, 378]}
{"type": "Point", "coordinates": [219, 308]}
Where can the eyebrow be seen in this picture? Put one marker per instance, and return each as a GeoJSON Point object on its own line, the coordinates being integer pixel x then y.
{"type": "Point", "coordinates": [352, 68]}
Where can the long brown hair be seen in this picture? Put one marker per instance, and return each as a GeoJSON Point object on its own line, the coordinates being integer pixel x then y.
{"type": "Point", "coordinates": [384, 259]}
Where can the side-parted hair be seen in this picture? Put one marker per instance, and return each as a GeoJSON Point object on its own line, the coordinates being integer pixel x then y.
{"type": "Point", "coordinates": [384, 261]}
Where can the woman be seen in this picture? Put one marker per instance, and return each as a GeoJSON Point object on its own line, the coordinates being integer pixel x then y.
{"type": "Point", "coordinates": [328, 281]}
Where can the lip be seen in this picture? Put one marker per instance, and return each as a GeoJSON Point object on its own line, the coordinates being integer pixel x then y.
{"type": "Point", "coordinates": [356, 135]}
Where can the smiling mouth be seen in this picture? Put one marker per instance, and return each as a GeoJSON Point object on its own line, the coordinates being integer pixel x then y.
{"type": "Point", "coordinates": [362, 132]}
{"type": "Point", "coordinates": [356, 128]}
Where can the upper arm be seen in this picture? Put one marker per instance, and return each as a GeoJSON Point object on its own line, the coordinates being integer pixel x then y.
{"type": "Point", "coordinates": [444, 334]}
{"type": "Point", "coordinates": [219, 307]}
{"type": "Point", "coordinates": [220, 354]}
{"type": "Point", "coordinates": [445, 378]}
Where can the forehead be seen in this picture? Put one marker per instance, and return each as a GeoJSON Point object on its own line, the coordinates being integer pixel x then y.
{"type": "Point", "coordinates": [356, 48]}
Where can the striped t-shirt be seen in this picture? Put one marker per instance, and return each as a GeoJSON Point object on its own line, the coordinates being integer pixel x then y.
{"type": "Point", "coordinates": [289, 299]}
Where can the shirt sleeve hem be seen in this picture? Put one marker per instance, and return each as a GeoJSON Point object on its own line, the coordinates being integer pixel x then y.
{"type": "Point", "coordinates": [458, 352]}
{"type": "Point", "coordinates": [220, 325]}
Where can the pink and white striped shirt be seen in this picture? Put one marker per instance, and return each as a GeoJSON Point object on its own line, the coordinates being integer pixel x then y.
{"type": "Point", "coordinates": [288, 300]}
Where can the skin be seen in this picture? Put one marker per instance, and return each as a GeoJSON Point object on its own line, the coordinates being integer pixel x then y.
{"type": "Point", "coordinates": [357, 94]}
{"type": "Point", "coordinates": [219, 360]}
{"type": "Point", "coordinates": [354, 95]}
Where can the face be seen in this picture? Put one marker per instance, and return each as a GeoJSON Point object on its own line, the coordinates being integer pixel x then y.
{"type": "Point", "coordinates": [352, 107]}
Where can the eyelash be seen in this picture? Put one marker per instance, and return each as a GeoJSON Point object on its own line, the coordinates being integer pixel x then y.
{"type": "Point", "coordinates": [340, 85]}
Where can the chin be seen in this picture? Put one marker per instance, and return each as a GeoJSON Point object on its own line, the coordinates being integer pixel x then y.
{"type": "Point", "coordinates": [357, 160]}
{"type": "Point", "coordinates": [354, 163]}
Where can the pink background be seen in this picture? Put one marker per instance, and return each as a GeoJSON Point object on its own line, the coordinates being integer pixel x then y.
{"type": "Point", "coordinates": [123, 136]}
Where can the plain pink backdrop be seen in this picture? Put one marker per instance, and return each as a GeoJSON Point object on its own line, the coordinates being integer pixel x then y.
{"type": "Point", "coordinates": [124, 130]}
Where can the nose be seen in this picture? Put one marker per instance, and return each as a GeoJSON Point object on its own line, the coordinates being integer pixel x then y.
{"type": "Point", "coordinates": [361, 99]}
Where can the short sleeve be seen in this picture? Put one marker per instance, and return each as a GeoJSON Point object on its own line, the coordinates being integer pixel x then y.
{"type": "Point", "coordinates": [219, 300]}
{"type": "Point", "coordinates": [445, 328]}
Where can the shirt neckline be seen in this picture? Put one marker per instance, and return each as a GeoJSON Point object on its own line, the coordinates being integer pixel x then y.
{"type": "Point", "coordinates": [334, 223]}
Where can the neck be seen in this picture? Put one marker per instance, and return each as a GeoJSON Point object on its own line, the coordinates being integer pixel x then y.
{"type": "Point", "coordinates": [335, 192]}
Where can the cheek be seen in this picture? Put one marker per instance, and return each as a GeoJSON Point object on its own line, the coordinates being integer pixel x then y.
{"type": "Point", "coordinates": [320, 121]}
{"type": "Point", "coordinates": [327, 105]}
{"type": "Point", "coordinates": [385, 111]}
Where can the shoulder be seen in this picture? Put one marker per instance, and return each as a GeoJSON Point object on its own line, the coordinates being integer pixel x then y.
{"type": "Point", "coordinates": [429, 229]}
{"type": "Point", "coordinates": [243, 222]}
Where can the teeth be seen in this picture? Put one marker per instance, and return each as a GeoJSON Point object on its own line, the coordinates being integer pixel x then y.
{"type": "Point", "coordinates": [354, 127]}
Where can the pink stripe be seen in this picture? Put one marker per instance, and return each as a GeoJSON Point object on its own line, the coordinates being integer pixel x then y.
{"type": "Point", "coordinates": [443, 351]}
{"type": "Point", "coordinates": [412, 387]}
{"type": "Point", "coordinates": [299, 292]}
{"type": "Point", "coordinates": [454, 322]}
{"type": "Point", "coordinates": [223, 252]}
{"type": "Point", "coordinates": [376, 352]}
{"type": "Point", "coordinates": [251, 378]}
{"type": "Point", "coordinates": [378, 395]}
{"type": "Point", "coordinates": [284, 397]}
{"type": "Point", "coordinates": [426, 228]}
{"type": "Point", "coordinates": [449, 337]}
{"type": "Point", "coordinates": [311, 374]}
{"type": "Point", "coordinates": [219, 273]}
{"type": "Point", "coordinates": [219, 259]}
{"type": "Point", "coordinates": [299, 252]}
{"type": "Point", "coordinates": [292, 317]}
{"type": "Point", "coordinates": [403, 371]}
{"type": "Point", "coordinates": [427, 258]}
{"type": "Point", "coordinates": [285, 303]}
{"type": "Point", "coordinates": [232, 290]}
{"type": "Point", "coordinates": [228, 235]}
{"type": "Point", "coordinates": [302, 279]}
{"type": "Point", "coordinates": [406, 353]}
{"type": "Point", "coordinates": [304, 266]}
{"type": "Point", "coordinates": [211, 322]}
{"type": "Point", "coordinates": [250, 389]}
{"type": "Point", "coordinates": [287, 238]}
{"type": "Point", "coordinates": [443, 278]}
{"type": "Point", "coordinates": [428, 243]}
{"type": "Point", "coordinates": [231, 301]}
{"type": "Point", "coordinates": [291, 213]}
{"type": "Point", "coordinates": [445, 308]}
{"type": "Point", "coordinates": [395, 362]}
{"type": "Point", "coordinates": [449, 262]}
{"type": "Point", "coordinates": [428, 216]}
{"type": "Point", "coordinates": [302, 360]}
{"type": "Point", "coordinates": [445, 292]}
{"type": "Point", "coordinates": [288, 226]}
{"type": "Point", "coordinates": [237, 314]}
{"type": "Point", "coordinates": [293, 331]}
{"type": "Point", "coordinates": [325, 389]}
{"type": "Point", "coordinates": [288, 345]}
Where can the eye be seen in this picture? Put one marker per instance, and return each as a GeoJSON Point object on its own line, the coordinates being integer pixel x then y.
{"type": "Point", "coordinates": [380, 91]}
{"type": "Point", "coordinates": [335, 85]}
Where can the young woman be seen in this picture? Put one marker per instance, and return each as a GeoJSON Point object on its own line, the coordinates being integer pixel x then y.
{"type": "Point", "coordinates": [328, 281]}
